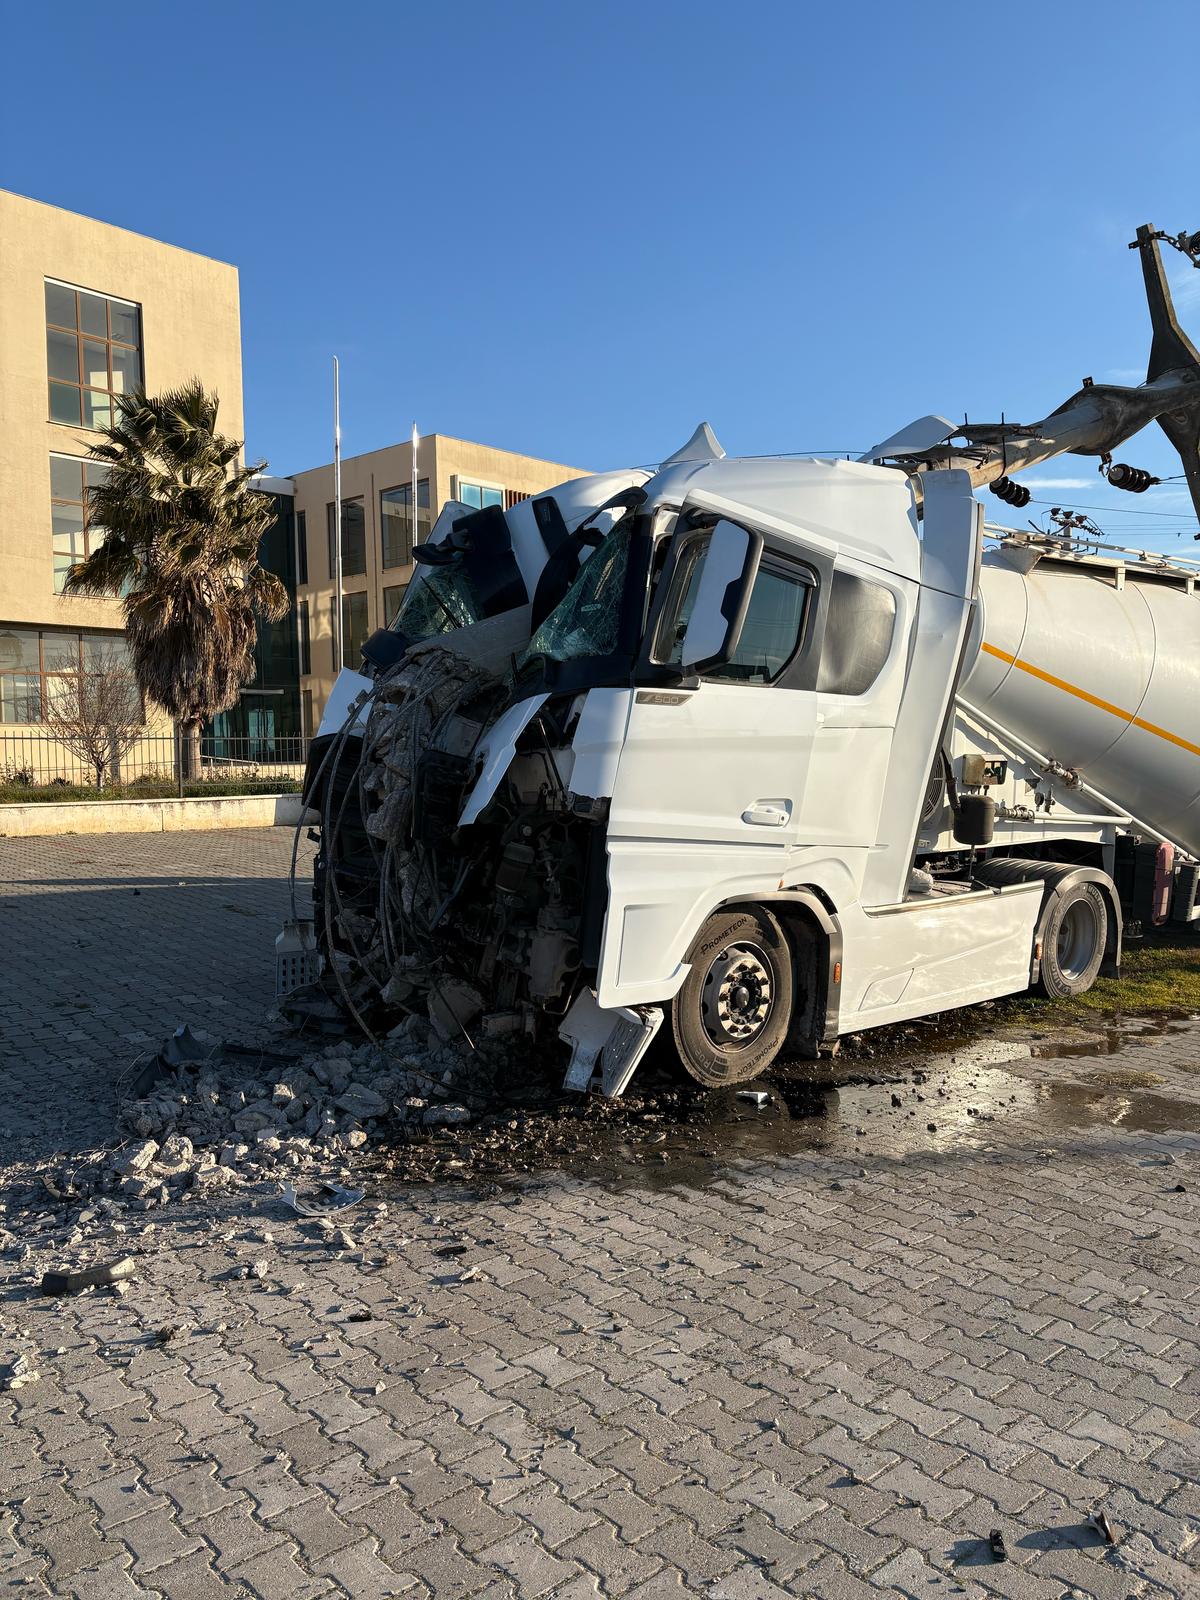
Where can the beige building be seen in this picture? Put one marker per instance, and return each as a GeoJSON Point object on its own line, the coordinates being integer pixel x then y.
{"type": "Point", "coordinates": [87, 311]}
{"type": "Point", "coordinates": [378, 536]}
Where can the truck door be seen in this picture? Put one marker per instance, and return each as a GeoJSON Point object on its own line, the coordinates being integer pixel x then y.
{"type": "Point", "coordinates": [721, 758]}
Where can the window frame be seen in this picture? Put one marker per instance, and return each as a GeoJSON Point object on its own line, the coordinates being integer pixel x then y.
{"type": "Point", "coordinates": [424, 487]}
{"type": "Point", "coordinates": [478, 483]}
{"type": "Point", "coordinates": [347, 500]}
{"type": "Point", "coordinates": [87, 528]}
{"type": "Point", "coordinates": [347, 600]}
{"type": "Point", "coordinates": [42, 672]}
{"type": "Point", "coordinates": [781, 554]}
{"type": "Point", "coordinates": [80, 384]}
{"type": "Point", "coordinates": [771, 561]}
{"type": "Point", "coordinates": [390, 615]}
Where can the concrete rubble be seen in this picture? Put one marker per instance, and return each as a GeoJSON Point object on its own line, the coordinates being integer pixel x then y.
{"type": "Point", "coordinates": [235, 1120]}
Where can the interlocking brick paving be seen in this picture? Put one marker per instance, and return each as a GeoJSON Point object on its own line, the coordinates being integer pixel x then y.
{"type": "Point", "coordinates": [826, 1363]}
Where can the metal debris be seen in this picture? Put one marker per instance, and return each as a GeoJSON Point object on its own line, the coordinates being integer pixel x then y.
{"type": "Point", "coordinates": [328, 1199]}
{"type": "Point", "coordinates": [756, 1097]}
{"type": "Point", "coordinates": [1099, 1523]}
{"type": "Point", "coordinates": [60, 1283]}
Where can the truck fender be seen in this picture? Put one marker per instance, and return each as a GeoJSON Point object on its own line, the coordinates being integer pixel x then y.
{"type": "Point", "coordinates": [1058, 878]}
{"type": "Point", "coordinates": [815, 935]}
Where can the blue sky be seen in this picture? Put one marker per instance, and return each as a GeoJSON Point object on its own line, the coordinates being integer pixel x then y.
{"type": "Point", "coordinates": [576, 230]}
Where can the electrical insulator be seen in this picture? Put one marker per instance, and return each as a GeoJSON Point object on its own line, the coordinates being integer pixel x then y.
{"type": "Point", "coordinates": [1135, 479]}
{"type": "Point", "coordinates": [1013, 494]}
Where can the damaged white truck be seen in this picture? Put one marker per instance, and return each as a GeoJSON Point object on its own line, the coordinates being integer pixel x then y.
{"type": "Point", "coordinates": [764, 752]}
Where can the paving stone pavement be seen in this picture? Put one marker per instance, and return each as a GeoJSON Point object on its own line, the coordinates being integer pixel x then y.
{"type": "Point", "coordinates": [830, 1372]}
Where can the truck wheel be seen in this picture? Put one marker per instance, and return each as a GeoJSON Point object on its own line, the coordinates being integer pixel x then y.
{"type": "Point", "coordinates": [731, 1016]}
{"type": "Point", "coordinates": [1073, 942]}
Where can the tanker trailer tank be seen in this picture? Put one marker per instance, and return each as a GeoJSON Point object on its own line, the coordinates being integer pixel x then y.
{"type": "Point", "coordinates": [1096, 664]}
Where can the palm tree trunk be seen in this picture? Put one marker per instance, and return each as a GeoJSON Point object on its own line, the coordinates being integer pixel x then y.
{"type": "Point", "coordinates": [190, 747]}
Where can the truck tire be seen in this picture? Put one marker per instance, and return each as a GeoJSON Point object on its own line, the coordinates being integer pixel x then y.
{"type": "Point", "coordinates": [1073, 940]}
{"type": "Point", "coordinates": [1073, 928]}
{"type": "Point", "coordinates": [731, 1016]}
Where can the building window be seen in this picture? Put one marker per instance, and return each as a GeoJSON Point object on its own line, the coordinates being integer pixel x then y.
{"type": "Point", "coordinates": [306, 714]}
{"type": "Point", "coordinates": [354, 539]}
{"type": "Point", "coordinates": [73, 534]}
{"type": "Point", "coordinates": [354, 628]}
{"type": "Point", "coordinates": [301, 547]}
{"type": "Point", "coordinates": [93, 352]}
{"type": "Point", "coordinates": [305, 638]}
{"type": "Point", "coordinates": [32, 659]}
{"type": "Point", "coordinates": [395, 520]}
{"type": "Point", "coordinates": [479, 495]}
{"type": "Point", "coordinates": [392, 598]}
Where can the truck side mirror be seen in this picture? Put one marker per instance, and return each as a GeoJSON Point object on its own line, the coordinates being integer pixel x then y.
{"type": "Point", "coordinates": [722, 598]}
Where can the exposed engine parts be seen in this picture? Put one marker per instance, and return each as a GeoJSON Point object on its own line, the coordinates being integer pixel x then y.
{"type": "Point", "coordinates": [480, 926]}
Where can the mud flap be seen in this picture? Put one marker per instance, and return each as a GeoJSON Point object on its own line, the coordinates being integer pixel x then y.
{"type": "Point", "coordinates": [606, 1046]}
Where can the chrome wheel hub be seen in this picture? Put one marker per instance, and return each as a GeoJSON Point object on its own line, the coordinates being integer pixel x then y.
{"type": "Point", "coordinates": [738, 995]}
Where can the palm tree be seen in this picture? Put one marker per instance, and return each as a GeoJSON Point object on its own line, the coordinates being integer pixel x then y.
{"type": "Point", "coordinates": [182, 529]}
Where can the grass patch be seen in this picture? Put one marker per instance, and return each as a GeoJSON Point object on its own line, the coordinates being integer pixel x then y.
{"type": "Point", "coordinates": [19, 794]}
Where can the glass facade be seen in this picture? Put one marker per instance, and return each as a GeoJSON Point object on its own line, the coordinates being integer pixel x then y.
{"type": "Point", "coordinates": [396, 524]}
{"type": "Point", "coordinates": [354, 627]}
{"type": "Point", "coordinates": [265, 724]}
{"type": "Point", "coordinates": [393, 596]}
{"type": "Point", "coordinates": [354, 538]}
{"type": "Point", "coordinates": [93, 352]}
{"type": "Point", "coordinates": [302, 547]}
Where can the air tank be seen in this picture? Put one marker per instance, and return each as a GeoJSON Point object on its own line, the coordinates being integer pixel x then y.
{"type": "Point", "coordinates": [1096, 665]}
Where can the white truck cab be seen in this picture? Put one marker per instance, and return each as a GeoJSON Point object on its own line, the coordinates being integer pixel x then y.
{"type": "Point", "coordinates": [710, 764]}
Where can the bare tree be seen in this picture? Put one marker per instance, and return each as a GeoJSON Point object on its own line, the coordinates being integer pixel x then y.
{"type": "Point", "coordinates": [97, 712]}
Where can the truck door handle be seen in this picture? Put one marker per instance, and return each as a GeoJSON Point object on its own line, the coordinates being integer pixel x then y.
{"type": "Point", "coordinates": [768, 813]}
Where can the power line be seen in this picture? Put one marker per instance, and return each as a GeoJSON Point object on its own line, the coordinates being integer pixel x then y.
{"type": "Point", "coordinates": [1120, 511]}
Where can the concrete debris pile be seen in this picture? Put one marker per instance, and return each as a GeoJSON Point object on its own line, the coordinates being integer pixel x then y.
{"type": "Point", "coordinates": [233, 1120]}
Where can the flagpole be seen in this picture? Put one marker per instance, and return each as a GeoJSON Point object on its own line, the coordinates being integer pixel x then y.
{"type": "Point", "coordinates": [416, 444]}
{"type": "Point", "coordinates": [337, 522]}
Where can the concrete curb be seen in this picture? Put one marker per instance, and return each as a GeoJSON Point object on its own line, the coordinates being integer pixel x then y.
{"type": "Point", "coordinates": [151, 816]}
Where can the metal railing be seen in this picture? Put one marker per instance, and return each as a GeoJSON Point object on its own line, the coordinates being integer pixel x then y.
{"type": "Point", "coordinates": [31, 759]}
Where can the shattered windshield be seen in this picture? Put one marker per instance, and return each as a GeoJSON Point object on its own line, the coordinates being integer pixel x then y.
{"type": "Point", "coordinates": [587, 620]}
{"type": "Point", "coordinates": [444, 599]}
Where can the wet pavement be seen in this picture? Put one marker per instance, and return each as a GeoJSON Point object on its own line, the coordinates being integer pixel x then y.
{"type": "Point", "coordinates": [896, 1101]}
{"type": "Point", "coordinates": [684, 1344]}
